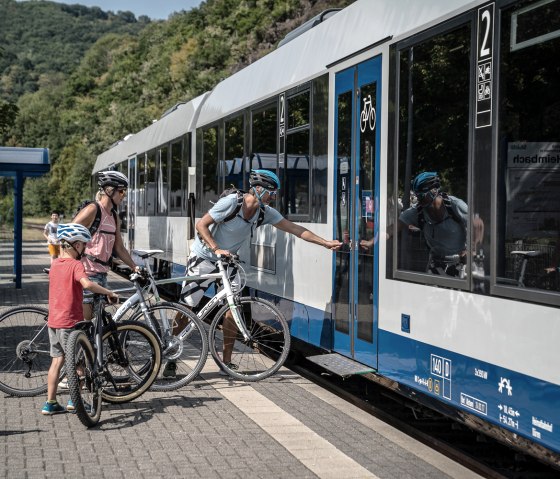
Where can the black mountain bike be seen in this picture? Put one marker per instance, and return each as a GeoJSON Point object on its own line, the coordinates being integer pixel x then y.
{"type": "Point", "coordinates": [115, 362]}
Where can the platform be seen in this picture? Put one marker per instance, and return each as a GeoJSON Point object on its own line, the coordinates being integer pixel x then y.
{"type": "Point", "coordinates": [283, 427]}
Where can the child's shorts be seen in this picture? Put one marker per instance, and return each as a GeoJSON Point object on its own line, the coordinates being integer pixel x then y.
{"type": "Point", "coordinates": [54, 249]}
{"type": "Point", "coordinates": [58, 337]}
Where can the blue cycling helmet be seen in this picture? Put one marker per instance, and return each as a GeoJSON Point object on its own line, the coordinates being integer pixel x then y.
{"type": "Point", "coordinates": [425, 182]}
{"type": "Point", "coordinates": [264, 178]}
{"type": "Point", "coordinates": [73, 232]}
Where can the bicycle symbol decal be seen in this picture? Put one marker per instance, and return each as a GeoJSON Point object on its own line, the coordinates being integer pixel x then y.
{"type": "Point", "coordinates": [367, 116]}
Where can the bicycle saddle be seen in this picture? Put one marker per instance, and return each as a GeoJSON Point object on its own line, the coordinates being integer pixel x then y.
{"type": "Point", "coordinates": [146, 253]}
{"type": "Point", "coordinates": [527, 254]}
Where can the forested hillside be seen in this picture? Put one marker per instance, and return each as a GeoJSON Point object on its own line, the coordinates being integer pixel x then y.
{"type": "Point", "coordinates": [128, 78]}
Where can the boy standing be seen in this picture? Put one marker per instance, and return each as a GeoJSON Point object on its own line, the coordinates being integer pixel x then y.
{"type": "Point", "coordinates": [50, 235]}
{"type": "Point", "coordinates": [67, 279]}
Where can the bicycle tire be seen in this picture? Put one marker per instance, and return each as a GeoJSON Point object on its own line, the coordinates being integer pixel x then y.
{"type": "Point", "coordinates": [24, 351]}
{"type": "Point", "coordinates": [129, 380]}
{"type": "Point", "coordinates": [85, 390]}
{"type": "Point", "coordinates": [188, 356]}
{"type": "Point", "coordinates": [267, 349]}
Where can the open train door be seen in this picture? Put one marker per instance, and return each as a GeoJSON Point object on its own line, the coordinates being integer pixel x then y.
{"type": "Point", "coordinates": [356, 211]}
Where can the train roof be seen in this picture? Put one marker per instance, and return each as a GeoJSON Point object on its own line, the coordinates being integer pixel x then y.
{"type": "Point", "coordinates": [173, 123]}
{"type": "Point", "coordinates": [366, 22]}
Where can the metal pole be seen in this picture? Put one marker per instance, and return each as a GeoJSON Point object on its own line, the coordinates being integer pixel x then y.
{"type": "Point", "coordinates": [18, 226]}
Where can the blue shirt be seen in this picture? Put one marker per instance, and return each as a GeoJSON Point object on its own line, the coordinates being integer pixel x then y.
{"type": "Point", "coordinates": [446, 237]}
{"type": "Point", "coordinates": [231, 235]}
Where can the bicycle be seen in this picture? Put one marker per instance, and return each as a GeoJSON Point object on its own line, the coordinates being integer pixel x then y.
{"type": "Point", "coordinates": [105, 360]}
{"type": "Point", "coordinates": [367, 115]}
{"type": "Point", "coordinates": [24, 351]}
{"type": "Point", "coordinates": [188, 350]}
{"type": "Point", "coordinates": [261, 336]}
{"type": "Point", "coordinates": [261, 342]}
{"type": "Point", "coordinates": [24, 341]}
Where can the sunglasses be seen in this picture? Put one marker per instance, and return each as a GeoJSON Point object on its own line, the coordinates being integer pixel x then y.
{"type": "Point", "coordinates": [122, 192]}
{"type": "Point", "coordinates": [272, 193]}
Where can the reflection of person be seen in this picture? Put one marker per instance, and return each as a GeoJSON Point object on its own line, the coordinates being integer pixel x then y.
{"type": "Point", "coordinates": [219, 237]}
{"type": "Point", "coordinates": [107, 238]}
{"type": "Point", "coordinates": [50, 235]}
{"type": "Point", "coordinates": [442, 219]}
{"type": "Point", "coordinates": [67, 279]}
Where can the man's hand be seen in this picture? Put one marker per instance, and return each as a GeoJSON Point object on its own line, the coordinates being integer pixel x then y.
{"type": "Point", "coordinates": [333, 245]}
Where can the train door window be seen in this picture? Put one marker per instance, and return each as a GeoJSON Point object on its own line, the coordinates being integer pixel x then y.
{"type": "Point", "coordinates": [232, 165]}
{"type": "Point", "coordinates": [151, 183]}
{"type": "Point", "coordinates": [162, 181]}
{"type": "Point", "coordinates": [296, 169]}
{"type": "Point", "coordinates": [141, 184]}
{"type": "Point", "coordinates": [123, 207]}
{"type": "Point", "coordinates": [175, 179]}
{"type": "Point", "coordinates": [186, 161]}
{"type": "Point", "coordinates": [528, 193]}
{"type": "Point", "coordinates": [433, 136]}
{"type": "Point", "coordinates": [264, 128]}
{"type": "Point", "coordinates": [209, 168]}
{"type": "Point", "coordinates": [319, 152]}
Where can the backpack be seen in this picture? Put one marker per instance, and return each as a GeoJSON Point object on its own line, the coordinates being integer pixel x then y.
{"type": "Point", "coordinates": [95, 225]}
{"type": "Point", "coordinates": [235, 212]}
{"type": "Point", "coordinates": [450, 210]}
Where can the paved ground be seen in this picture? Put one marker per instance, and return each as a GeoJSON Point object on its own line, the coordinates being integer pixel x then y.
{"type": "Point", "coordinates": [283, 427]}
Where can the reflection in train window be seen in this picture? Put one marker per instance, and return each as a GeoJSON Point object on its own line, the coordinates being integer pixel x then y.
{"type": "Point", "coordinates": [319, 149]}
{"type": "Point", "coordinates": [141, 159]}
{"type": "Point", "coordinates": [263, 138]}
{"type": "Point", "coordinates": [433, 131]}
{"type": "Point", "coordinates": [528, 249]}
{"type": "Point", "coordinates": [162, 181]}
{"type": "Point", "coordinates": [151, 183]}
{"type": "Point", "coordinates": [175, 190]}
{"type": "Point", "coordinates": [232, 166]}
{"type": "Point", "coordinates": [209, 167]}
{"type": "Point", "coordinates": [297, 173]}
{"type": "Point", "coordinates": [123, 207]}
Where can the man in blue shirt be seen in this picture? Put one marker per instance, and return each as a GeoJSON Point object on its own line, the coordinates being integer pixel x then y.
{"type": "Point", "coordinates": [219, 237]}
{"type": "Point", "coordinates": [442, 220]}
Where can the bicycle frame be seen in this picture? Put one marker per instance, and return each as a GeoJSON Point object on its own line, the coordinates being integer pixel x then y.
{"type": "Point", "coordinates": [226, 293]}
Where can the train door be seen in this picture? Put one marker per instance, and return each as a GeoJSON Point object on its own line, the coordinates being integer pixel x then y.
{"type": "Point", "coordinates": [356, 204]}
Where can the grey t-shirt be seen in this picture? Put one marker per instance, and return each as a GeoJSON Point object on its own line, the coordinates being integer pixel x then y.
{"type": "Point", "coordinates": [446, 237]}
{"type": "Point", "coordinates": [231, 235]}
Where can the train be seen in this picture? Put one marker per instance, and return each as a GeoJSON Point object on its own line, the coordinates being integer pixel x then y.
{"type": "Point", "coordinates": [347, 111]}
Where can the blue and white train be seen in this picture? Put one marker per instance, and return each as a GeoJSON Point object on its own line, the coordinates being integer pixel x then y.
{"type": "Point", "coordinates": [347, 113]}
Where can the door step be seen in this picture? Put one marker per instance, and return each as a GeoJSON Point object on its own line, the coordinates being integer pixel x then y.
{"type": "Point", "coordinates": [340, 365]}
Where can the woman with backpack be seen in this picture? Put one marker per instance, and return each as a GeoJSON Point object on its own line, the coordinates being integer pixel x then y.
{"type": "Point", "coordinates": [101, 218]}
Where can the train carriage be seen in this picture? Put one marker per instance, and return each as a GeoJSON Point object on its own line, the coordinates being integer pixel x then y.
{"type": "Point", "coordinates": [347, 113]}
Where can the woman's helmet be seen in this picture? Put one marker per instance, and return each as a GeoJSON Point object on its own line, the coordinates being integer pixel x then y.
{"type": "Point", "coordinates": [264, 178]}
{"type": "Point", "coordinates": [112, 178]}
{"type": "Point", "coordinates": [425, 182]}
{"type": "Point", "coordinates": [73, 232]}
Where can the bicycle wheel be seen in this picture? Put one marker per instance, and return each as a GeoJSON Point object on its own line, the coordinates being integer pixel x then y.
{"type": "Point", "coordinates": [131, 361]}
{"type": "Point", "coordinates": [264, 352]}
{"type": "Point", "coordinates": [182, 359]}
{"type": "Point", "coordinates": [24, 351]}
{"type": "Point", "coordinates": [83, 380]}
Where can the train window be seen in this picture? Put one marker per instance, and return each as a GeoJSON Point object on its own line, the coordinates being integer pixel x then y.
{"type": "Point", "coordinates": [528, 243]}
{"type": "Point", "coordinates": [264, 128]}
{"type": "Point", "coordinates": [123, 207]}
{"type": "Point", "coordinates": [175, 179]}
{"type": "Point", "coordinates": [187, 162]}
{"type": "Point", "coordinates": [232, 165]}
{"type": "Point", "coordinates": [298, 110]}
{"type": "Point", "coordinates": [209, 168]}
{"type": "Point", "coordinates": [319, 145]}
{"type": "Point", "coordinates": [433, 136]}
{"type": "Point", "coordinates": [296, 159]}
{"type": "Point", "coordinates": [162, 181]}
{"type": "Point", "coordinates": [151, 183]}
{"type": "Point", "coordinates": [141, 184]}
{"type": "Point", "coordinates": [296, 192]}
